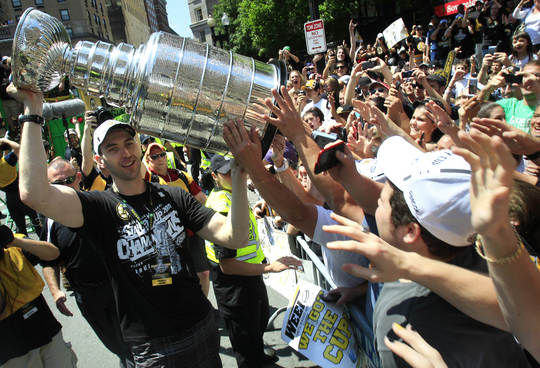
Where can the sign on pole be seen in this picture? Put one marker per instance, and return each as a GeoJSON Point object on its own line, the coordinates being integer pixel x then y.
{"type": "Point", "coordinates": [315, 37]}
{"type": "Point", "coordinates": [451, 7]}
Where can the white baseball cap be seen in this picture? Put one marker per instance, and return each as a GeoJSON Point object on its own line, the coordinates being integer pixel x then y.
{"type": "Point", "coordinates": [101, 131]}
{"type": "Point", "coordinates": [435, 186]}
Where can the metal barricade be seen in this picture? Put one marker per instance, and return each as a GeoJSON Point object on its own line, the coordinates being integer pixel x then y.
{"type": "Point", "coordinates": [363, 331]}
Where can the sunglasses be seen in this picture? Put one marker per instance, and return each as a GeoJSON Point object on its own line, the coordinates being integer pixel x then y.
{"type": "Point", "coordinates": [375, 90]}
{"type": "Point", "coordinates": [65, 181]}
{"type": "Point", "coordinates": [341, 66]}
{"type": "Point", "coordinates": [158, 155]}
{"type": "Point", "coordinates": [415, 85]}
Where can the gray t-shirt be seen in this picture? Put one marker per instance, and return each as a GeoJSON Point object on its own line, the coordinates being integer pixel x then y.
{"type": "Point", "coordinates": [461, 340]}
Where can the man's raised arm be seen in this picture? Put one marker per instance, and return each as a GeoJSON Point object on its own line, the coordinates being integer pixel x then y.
{"type": "Point", "coordinates": [246, 149]}
{"type": "Point", "coordinates": [60, 203]}
{"type": "Point", "coordinates": [290, 124]}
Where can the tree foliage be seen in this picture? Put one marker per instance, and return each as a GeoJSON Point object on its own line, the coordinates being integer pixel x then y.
{"type": "Point", "coordinates": [259, 28]}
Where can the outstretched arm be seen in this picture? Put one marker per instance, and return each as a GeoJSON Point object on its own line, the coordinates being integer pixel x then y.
{"type": "Point", "coordinates": [34, 187]}
{"type": "Point", "coordinates": [516, 278]}
{"type": "Point", "coordinates": [246, 149]}
{"type": "Point", "coordinates": [86, 143]}
{"type": "Point", "coordinates": [470, 292]}
{"type": "Point", "coordinates": [231, 231]}
{"type": "Point", "coordinates": [288, 121]}
{"type": "Point", "coordinates": [41, 249]}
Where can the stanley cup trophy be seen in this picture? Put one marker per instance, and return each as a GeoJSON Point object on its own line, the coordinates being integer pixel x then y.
{"type": "Point", "coordinates": [173, 87]}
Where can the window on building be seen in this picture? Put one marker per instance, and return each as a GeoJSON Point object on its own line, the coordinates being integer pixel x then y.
{"type": "Point", "coordinates": [60, 1]}
{"type": "Point", "coordinates": [64, 14]}
{"type": "Point", "coordinates": [96, 19]}
{"type": "Point", "coordinates": [16, 3]}
{"type": "Point", "coordinates": [69, 31]}
{"type": "Point", "coordinates": [94, 4]}
{"type": "Point", "coordinates": [202, 36]}
{"type": "Point", "coordinates": [38, 3]}
{"type": "Point", "coordinates": [198, 14]}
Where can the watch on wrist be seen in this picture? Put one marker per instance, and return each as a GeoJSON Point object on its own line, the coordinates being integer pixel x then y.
{"type": "Point", "coordinates": [37, 119]}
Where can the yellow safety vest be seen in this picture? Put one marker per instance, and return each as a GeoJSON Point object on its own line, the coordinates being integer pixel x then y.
{"type": "Point", "coordinates": [8, 173]}
{"type": "Point", "coordinates": [220, 201]}
{"type": "Point", "coordinates": [170, 160]}
{"type": "Point", "coordinates": [205, 162]}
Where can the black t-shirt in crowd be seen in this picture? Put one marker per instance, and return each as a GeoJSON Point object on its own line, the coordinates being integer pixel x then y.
{"type": "Point", "coordinates": [461, 340]}
{"type": "Point", "coordinates": [84, 268]}
{"type": "Point", "coordinates": [142, 239]}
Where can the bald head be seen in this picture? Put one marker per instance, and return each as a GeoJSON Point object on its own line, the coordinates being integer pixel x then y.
{"type": "Point", "coordinates": [60, 170]}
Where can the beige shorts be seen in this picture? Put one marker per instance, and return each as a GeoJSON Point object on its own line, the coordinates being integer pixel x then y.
{"type": "Point", "coordinates": [55, 354]}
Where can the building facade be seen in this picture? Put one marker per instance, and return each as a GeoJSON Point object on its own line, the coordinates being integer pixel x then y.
{"type": "Point", "coordinates": [136, 21]}
{"type": "Point", "coordinates": [83, 19]}
{"type": "Point", "coordinates": [199, 10]}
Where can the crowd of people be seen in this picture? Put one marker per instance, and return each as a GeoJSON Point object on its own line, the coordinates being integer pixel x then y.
{"type": "Point", "coordinates": [411, 169]}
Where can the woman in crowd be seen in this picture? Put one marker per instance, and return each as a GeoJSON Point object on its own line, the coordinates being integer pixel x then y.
{"type": "Point", "coordinates": [522, 50]}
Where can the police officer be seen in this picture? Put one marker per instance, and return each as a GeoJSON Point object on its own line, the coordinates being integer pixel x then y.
{"type": "Point", "coordinates": [237, 278]}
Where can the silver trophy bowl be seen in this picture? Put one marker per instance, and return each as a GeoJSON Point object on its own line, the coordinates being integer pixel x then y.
{"type": "Point", "coordinates": [173, 87]}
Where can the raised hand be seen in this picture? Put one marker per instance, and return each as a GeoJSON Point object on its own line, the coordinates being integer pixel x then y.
{"type": "Point", "coordinates": [492, 165]}
{"type": "Point", "coordinates": [286, 119]}
{"type": "Point", "coordinates": [517, 140]}
{"type": "Point", "coordinates": [246, 147]}
{"type": "Point", "coordinates": [387, 262]}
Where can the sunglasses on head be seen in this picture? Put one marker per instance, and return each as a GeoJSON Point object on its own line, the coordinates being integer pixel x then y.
{"type": "Point", "coordinates": [65, 181]}
{"type": "Point", "coordinates": [158, 155]}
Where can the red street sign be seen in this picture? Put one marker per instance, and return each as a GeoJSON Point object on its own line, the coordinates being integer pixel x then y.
{"type": "Point", "coordinates": [312, 26]}
{"type": "Point", "coordinates": [451, 7]}
{"type": "Point", "coordinates": [315, 37]}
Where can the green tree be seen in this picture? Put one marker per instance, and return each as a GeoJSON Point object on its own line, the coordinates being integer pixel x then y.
{"type": "Point", "coordinates": [259, 28]}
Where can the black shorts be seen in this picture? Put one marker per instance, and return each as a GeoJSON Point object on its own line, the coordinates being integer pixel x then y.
{"type": "Point", "coordinates": [197, 251]}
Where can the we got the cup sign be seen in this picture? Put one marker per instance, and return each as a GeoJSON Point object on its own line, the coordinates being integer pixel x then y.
{"type": "Point", "coordinates": [320, 331]}
{"type": "Point", "coordinates": [315, 37]}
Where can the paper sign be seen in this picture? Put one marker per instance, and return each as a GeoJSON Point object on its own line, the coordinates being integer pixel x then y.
{"type": "Point", "coordinates": [315, 37]}
{"type": "Point", "coordinates": [321, 332]}
{"type": "Point", "coordinates": [395, 32]}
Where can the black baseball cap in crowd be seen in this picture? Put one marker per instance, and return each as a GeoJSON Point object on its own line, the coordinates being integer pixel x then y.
{"type": "Point", "coordinates": [220, 164]}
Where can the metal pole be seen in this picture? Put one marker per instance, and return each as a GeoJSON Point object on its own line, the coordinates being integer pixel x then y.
{"type": "Point", "coordinates": [314, 9]}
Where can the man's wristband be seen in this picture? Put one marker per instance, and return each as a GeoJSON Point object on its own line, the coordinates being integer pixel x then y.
{"type": "Point", "coordinates": [37, 119]}
{"type": "Point", "coordinates": [533, 156]}
{"type": "Point", "coordinates": [283, 166]}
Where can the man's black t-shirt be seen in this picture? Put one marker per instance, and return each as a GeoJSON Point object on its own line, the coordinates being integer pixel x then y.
{"type": "Point", "coordinates": [461, 340]}
{"type": "Point", "coordinates": [84, 268]}
{"type": "Point", "coordinates": [142, 239]}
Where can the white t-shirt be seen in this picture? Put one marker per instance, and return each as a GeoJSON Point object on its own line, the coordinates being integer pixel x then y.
{"type": "Point", "coordinates": [334, 259]}
{"type": "Point", "coordinates": [321, 105]}
{"type": "Point", "coordinates": [531, 21]}
{"type": "Point", "coordinates": [521, 62]}
{"type": "Point", "coordinates": [461, 85]}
